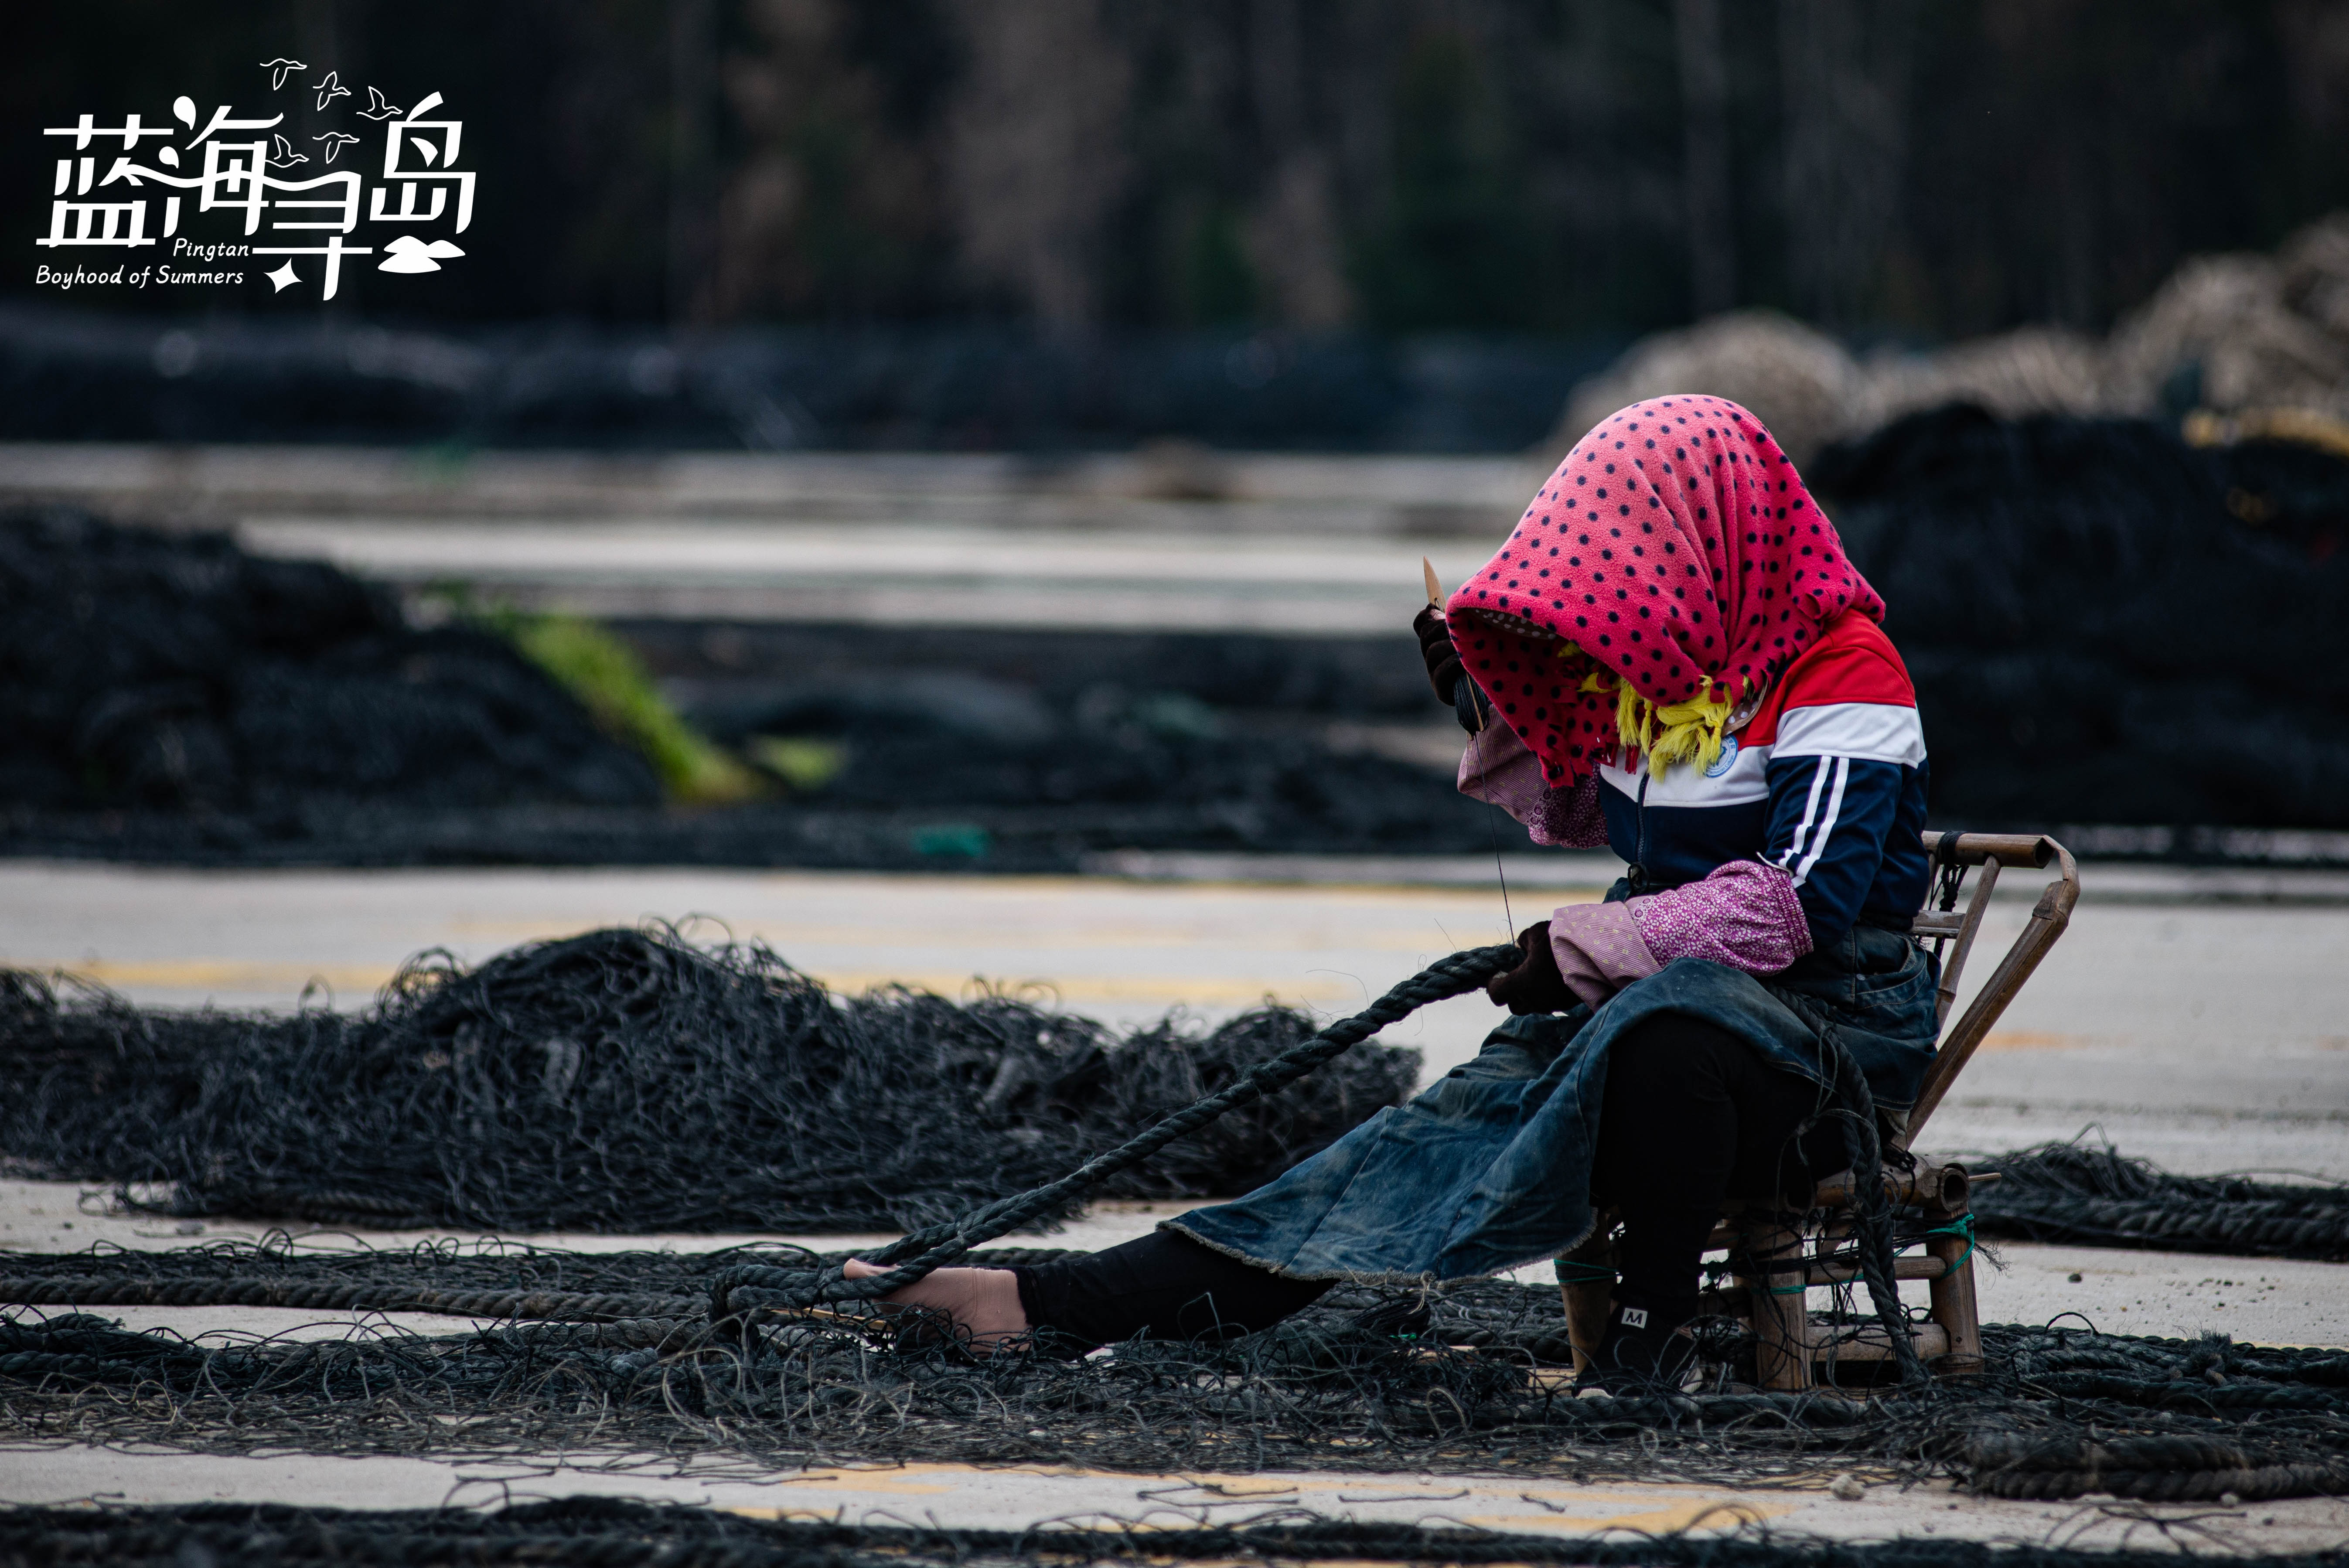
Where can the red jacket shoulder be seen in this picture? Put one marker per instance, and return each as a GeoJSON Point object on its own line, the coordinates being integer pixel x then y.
{"type": "Point", "coordinates": [1853, 661]}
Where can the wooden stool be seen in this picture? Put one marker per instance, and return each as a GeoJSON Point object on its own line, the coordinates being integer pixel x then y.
{"type": "Point", "coordinates": [1778, 1258]}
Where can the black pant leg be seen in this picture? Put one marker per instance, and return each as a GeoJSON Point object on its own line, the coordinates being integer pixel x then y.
{"type": "Point", "coordinates": [1692, 1115]}
{"type": "Point", "coordinates": [1164, 1284]}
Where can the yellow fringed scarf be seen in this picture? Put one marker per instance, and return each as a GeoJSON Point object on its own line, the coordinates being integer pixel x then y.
{"type": "Point", "coordinates": [1687, 731]}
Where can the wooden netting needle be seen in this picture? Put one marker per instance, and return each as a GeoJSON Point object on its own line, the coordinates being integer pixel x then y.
{"type": "Point", "coordinates": [1434, 588]}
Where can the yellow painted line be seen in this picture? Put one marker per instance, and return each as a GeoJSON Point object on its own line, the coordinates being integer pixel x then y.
{"type": "Point", "coordinates": [2030, 1040]}
{"type": "Point", "coordinates": [1101, 987]}
{"type": "Point", "coordinates": [1107, 889]}
{"type": "Point", "coordinates": [1556, 1507]}
{"type": "Point", "coordinates": [210, 974]}
{"type": "Point", "coordinates": [218, 973]}
{"type": "Point", "coordinates": [1707, 1513]}
{"type": "Point", "coordinates": [1199, 933]}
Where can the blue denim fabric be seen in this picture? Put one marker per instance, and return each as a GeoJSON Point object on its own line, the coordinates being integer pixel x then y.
{"type": "Point", "coordinates": [1489, 1168]}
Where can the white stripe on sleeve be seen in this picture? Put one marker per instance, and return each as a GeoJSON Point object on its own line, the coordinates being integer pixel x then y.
{"type": "Point", "coordinates": [1879, 732]}
{"type": "Point", "coordinates": [1826, 824]}
{"type": "Point", "coordinates": [1810, 813]}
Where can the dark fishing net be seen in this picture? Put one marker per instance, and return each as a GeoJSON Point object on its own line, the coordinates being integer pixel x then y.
{"type": "Point", "coordinates": [2095, 1196]}
{"type": "Point", "coordinates": [786, 1363]}
{"type": "Point", "coordinates": [612, 1532]}
{"type": "Point", "coordinates": [618, 1533]}
{"type": "Point", "coordinates": [2107, 624]}
{"type": "Point", "coordinates": [629, 1080]}
{"type": "Point", "coordinates": [1466, 1377]}
{"type": "Point", "coordinates": [142, 670]}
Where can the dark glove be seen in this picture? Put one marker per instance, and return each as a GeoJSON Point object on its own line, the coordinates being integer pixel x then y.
{"type": "Point", "coordinates": [1444, 671]}
{"type": "Point", "coordinates": [1535, 986]}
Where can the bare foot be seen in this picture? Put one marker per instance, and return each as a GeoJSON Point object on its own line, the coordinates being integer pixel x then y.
{"type": "Point", "coordinates": [983, 1302]}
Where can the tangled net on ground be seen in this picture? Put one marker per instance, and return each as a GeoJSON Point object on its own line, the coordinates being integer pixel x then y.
{"type": "Point", "coordinates": [783, 1368]}
{"type": "Point", "coordinates": [629, 1080]}
{"type": "Point", "coordinates": [618, 1533]}
{"type": "Point", "coordinates": [2095, 1196]}
{"type": "Point", "coordinates": [612, 1532]}
{"type": "Point", "coordinates": [1468, 1377]}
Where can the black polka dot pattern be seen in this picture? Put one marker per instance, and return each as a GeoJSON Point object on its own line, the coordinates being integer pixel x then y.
{"type": "Point", "coordinates": [1677, 547]}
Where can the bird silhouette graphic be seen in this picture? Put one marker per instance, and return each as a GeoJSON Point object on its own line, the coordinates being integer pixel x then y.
{"type": "Point", "coordinates": [378, 106]}
{"type": "Point", "coordinates": [286, 157]}
{"type": "Point", "coordinates": [279, 69]}
{"type": "Point", "coordinates": [408, 253]}
{"type": "Point", "coordinates": [331, 88]}
{"type": "Point", "coordinates": [335, 141]}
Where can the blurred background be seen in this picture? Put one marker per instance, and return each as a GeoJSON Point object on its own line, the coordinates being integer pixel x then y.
{"type": "Point", "coordinates": [1004, 432]}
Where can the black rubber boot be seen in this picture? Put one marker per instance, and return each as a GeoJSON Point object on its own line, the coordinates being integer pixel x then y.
{"type": "Point", "coordinates": [1643, 1353]}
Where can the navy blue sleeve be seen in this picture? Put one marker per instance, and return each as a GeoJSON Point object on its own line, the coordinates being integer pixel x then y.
{"type": "Point", "coordinates": [1828, 818]}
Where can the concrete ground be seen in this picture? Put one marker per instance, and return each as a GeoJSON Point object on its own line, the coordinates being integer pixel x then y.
{"type": "Point", "coordinates": [1167, 541]}
{"type": "Point", "coordinates": [2192, 1020]}
{"type": "Point", "coordinates": [1021, 1497]}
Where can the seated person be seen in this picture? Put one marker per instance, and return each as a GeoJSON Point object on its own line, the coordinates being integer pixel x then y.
{"type": "Point", "coordinates": [1671, 656]}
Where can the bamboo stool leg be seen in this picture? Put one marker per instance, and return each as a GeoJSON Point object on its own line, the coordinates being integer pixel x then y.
{"type": "Point", "coordinates": [1954, 1293]}
{"type": "Point", "coordinates": [1588, 1301]}
{"type": "Point", "coordinates": [1782, 1318]}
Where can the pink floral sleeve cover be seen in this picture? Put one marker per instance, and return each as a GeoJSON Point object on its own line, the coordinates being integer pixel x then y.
{"type": "Point", "coordinates": [1598, 949]}
{"type": "Point", "coordinates": [1746, 915]}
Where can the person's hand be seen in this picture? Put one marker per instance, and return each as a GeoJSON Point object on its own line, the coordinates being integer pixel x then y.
{"type": "Point", "coordinates": [1535, 986]}
{"type": "Point", "coordinates": [1444, 671]}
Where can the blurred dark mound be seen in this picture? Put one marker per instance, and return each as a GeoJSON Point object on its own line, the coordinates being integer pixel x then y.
{"type": "Point", "coordinates": [173, 698]}
{"type": "Point", "coordinates": [2107, 624]}
{"type": "Point", "coordinates": [172, 672]}
{"type": "Point", "coordinates": [626, 1081]}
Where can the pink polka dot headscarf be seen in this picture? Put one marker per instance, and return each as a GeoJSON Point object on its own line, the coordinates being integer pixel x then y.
{"type": "Point", "coordinates": [1677, 547]}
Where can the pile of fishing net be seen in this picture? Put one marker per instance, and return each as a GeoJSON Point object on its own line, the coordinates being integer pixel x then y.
{"type": "Point", "coordinates": [163, 672]}
{"type": "Point", "coordinates": [753, 1353]}
{"type": "Point", "coordinates": [612, 1533]}
{"type": "Point", "coordinates": [2092, 1195]}
{"type": "Point", "coordinates": [630, 1080]}
{"type": "Point", "coordinates": [173, 699]}
{"type": "Point", "coordinates": [622, 1356]}
{"type": "Point", "coordinates": [2107, 624]}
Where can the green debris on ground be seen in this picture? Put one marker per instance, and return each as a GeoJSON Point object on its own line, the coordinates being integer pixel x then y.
{"type": "Point", "coordinates": [805, 763]}
{"type": "Point", "coordinates": [606, 674]}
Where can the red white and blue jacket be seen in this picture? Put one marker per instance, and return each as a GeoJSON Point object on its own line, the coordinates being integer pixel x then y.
{"type": "Point", "coordinates": [1826, 782]}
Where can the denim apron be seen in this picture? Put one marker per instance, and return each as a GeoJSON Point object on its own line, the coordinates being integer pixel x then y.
{"type": "Point", "coordinates": [1489, 1168]}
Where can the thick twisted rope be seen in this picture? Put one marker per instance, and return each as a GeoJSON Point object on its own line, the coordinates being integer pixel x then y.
{"type": "Point", "coordinates": [2167, 1223]}
{"type": "Point", "coordinates": [338, 1296]}
{"type": "Point", "coordinates": [915, 1256]}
